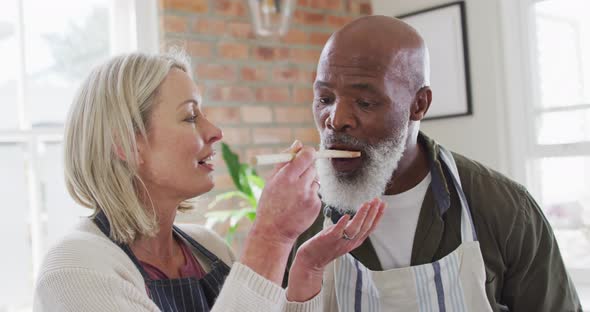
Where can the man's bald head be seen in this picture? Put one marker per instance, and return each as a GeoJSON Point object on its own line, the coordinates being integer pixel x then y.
{"type": "Point", "coordinates": [384, 44]}
{"type": "Point", "coordinates": [370, 93]}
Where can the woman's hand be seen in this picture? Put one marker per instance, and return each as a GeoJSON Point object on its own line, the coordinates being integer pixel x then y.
{"type": "Point", "coordinates": [288, 206]}
{"type": "Point", "coordinates": [289, 202]}
{"type": "Point", "coordinates": [305, 277]}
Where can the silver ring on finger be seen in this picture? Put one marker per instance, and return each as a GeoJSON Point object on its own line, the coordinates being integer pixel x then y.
{"type": "Point", "coordinates": [346, 237]}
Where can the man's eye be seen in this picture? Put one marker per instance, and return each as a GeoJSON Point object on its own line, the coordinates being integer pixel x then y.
{"type": "Point", "coordinates": [325, 100]}
{"type": "Point", "coordinates": [364, 104]}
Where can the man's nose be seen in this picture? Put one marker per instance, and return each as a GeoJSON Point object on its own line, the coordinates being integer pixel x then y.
{"type": "Point", "coordinates": [342, 117]}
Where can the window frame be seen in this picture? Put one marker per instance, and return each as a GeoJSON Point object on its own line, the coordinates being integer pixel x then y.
{"type": "Point", "coordinates": [141, 19]}
{"type": "Point", "coordinates": [521, 85]}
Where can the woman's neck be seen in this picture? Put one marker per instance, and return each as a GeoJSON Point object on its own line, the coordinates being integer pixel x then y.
{"type": "Point", "coordinates": [162, 245]}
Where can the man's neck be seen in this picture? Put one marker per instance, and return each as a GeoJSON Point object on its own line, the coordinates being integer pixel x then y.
{"type": "Point", "coordinates": [412, 168]}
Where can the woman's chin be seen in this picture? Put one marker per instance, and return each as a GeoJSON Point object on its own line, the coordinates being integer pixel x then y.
{"type": "Point", "coordinates": [203, 188]}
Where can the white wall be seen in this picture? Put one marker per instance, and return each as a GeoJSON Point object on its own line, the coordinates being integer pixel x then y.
{"type": "Point", "coordinates": [482, 136]}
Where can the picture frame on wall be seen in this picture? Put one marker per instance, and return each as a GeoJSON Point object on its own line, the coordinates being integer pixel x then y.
{"type": "Point", "coordinates": [444, 29]}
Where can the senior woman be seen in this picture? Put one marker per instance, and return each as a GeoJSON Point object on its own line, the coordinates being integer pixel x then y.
{"type": "Point", "coordinates": [137, 147]}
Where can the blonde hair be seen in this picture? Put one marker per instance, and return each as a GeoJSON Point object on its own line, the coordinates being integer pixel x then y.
{"type": "Point", "coordinates": [113, 105]}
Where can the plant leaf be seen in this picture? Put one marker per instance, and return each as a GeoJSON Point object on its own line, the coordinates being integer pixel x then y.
{"type": "Point", "coordinates": [233, 164]}
{"type": "Point", "coordinates": [226, 196]}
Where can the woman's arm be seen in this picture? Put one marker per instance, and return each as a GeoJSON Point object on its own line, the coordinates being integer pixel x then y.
{"type": "Point", "coordinates": [288, 206]}
{"type": "Point", "coordinates": [81, 289]}
{"type": "Point", "coordinates": [305, 277]}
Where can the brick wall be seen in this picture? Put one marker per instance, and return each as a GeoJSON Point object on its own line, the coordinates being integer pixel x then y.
{"type": "Point", "coordinates": [258, 90]}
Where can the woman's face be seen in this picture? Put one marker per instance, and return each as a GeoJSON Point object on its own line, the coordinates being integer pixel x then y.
{"type": "Point", "coordinates": [175, 163]}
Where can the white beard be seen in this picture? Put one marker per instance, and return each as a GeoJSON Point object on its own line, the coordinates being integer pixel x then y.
{"type": "Point", "coordinates": [347, 192]}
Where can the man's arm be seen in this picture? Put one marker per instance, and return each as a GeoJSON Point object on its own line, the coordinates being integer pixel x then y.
{"type": "Point", "coordinates": [536, 278]}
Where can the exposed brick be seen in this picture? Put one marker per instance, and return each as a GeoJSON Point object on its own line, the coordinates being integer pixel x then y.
{"type": "Point", "coordinates": [319, 38]}
{"type": "Point", "coordinates": [175, 24]}
{"type": "Point", "coordinates": [272, 135]}
{"type": "Point", "coordinates": [209, 26]}
{"type": "Point", "coordinates": [365, 9]}
{"type": "Point", "coordinates": [240, 30]}
{"type": "Point", "coordinates": [295, 36]}
{"type": "Point", "coordinates": [305, 55]}
{"type": "Point", "coordinates": [293, 74]}
{"type": "Point", "coordinates": [222, 115]}
{"type": "Point", "coordinates": [285, 74]}
{"type": "Point", "coordinates": [198, 49]}
{"type": "Point", "coordinates": [307, 77]}
{"type": "Point", "coordinates": [309, 18]}
{"type": "Point", "coordinates": [293, 114]}
{"type": "Point", "coordinates": [271, 53]}
{"type": "Point", "coordinates": [254, 73]}
{"type": "Point", "coordinates": [236, 136]}
{"type": "Point", "coordinates": [359, 8]}
{"type": "Point", "coordinates": [303, 95]}
{"type": "Point", "coordinates": [256, 114]}
{"type": "Point", "coordinates": [194, 6]}
{"type": "Point", "coordinates": [275, 95]}
{"type": "Point", "coordinates": [326, 4]}
{"type": "Point", "coordinates": [307, 135]}
{"type": "Point", "coordinates": [230, 8]}
{"type": "Point", "coordinates": [338, 21]}
{"type": "Point", "coordinates": [231, 93]}
{"type": "Point", "coordinates": [216, 72]}
{"type": "Point", "coordinates": [232, 50]}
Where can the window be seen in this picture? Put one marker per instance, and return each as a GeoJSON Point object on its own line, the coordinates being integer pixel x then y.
{"type": "Point", "coordinates": [46, 49]}
{"type": "Point", "coordinates": [559, 159]}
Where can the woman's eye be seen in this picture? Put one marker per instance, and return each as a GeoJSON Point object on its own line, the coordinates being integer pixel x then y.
{"type": "Point", "coordinates": [191, 119]}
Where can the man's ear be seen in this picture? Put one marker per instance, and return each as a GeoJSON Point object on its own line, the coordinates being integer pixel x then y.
{"type": "Point", "coordinates": [421, 104]}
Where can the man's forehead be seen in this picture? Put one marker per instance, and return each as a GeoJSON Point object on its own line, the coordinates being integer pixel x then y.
{"type": "Point", "coordinates": [352, 59]}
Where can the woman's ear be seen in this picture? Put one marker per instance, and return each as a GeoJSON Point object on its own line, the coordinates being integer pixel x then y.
{"type": "Point", "coordinates": [421, 104]}
{"type": "Point", "coordinates": [120, 152]}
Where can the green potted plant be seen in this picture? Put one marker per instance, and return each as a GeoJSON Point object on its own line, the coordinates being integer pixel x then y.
{"type": "Point", "coordinates": [249, 187]}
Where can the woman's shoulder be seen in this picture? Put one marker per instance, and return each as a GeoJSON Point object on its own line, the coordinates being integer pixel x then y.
{"type": "Point", "coordinates": [210, 240]}
{"type": "Point", "coordinates": [87, 248]}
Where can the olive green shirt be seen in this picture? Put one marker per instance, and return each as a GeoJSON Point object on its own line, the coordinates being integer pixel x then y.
{"type": "Point", "coordinates": [524, 268]}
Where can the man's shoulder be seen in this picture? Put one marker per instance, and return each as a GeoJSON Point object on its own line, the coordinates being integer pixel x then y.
{"type": "Point", "coordinates": [474, 174]}
{"type": "Point", "coordinates": [493, 197]}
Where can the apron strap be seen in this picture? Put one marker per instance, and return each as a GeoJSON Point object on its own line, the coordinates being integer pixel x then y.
{"type": "Point", "coordinates": [467, 228]}
{"type": "Point", "coordinates": [104, 225]}
{"type": "Point", "coordinates": [208, 254]}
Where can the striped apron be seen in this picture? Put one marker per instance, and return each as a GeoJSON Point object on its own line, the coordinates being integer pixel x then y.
{"type": "Point", "coordinates": [453, 283]}
{"type": "Point", "coordinates": [180, 294]}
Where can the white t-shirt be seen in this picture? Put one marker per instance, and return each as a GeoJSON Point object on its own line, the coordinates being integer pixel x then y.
{"type": "Point", "coordinates": [394, 236]}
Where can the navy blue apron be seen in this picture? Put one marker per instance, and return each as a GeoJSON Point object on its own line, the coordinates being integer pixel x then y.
{"type": "Point", "coordinates": [180, 294]}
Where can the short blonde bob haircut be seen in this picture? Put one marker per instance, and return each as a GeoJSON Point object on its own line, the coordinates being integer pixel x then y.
{"type": "Point", "coordinates": [110, 110]}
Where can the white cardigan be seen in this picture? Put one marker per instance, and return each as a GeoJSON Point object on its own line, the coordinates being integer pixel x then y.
{"type": "Point", "coordinates": [86, 271]}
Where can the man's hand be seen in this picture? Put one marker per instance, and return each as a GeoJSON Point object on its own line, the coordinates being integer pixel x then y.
{"type": "Point", "coordinates": [305, 277]}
